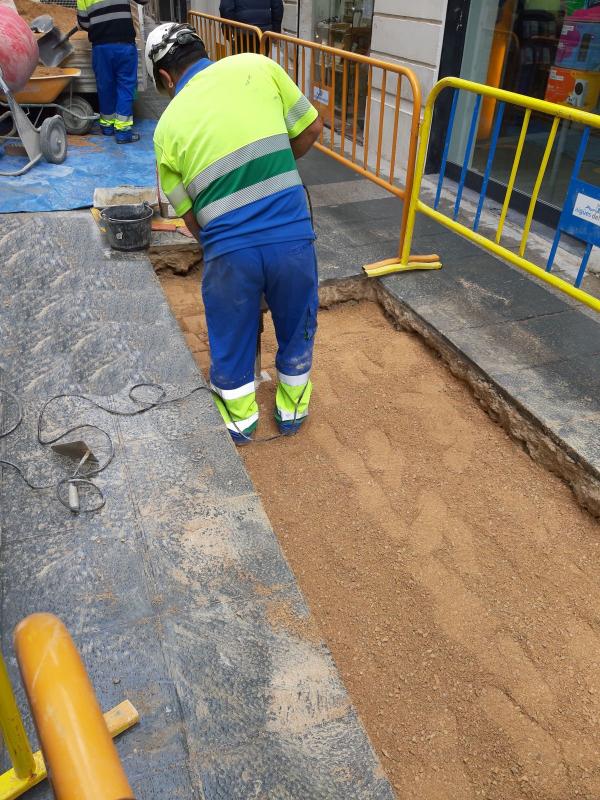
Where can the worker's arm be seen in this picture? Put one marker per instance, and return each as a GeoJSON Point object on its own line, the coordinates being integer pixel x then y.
{"type": "Point", "coordinates": [276, 15]}
{"type": "Point", "coordinates": [302, 143]}
{"type": "Point", "coordinates": [171, 183]}
{"type": "Point", "coordinates": [191, 224]}
{"type": "Point", "coordinates": [301, 118]}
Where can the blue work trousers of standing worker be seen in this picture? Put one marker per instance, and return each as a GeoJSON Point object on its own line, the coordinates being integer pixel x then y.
{"type": "Point", "coordinates": [115, 67]}
{"type": "Point", "coordinates": [232, 289]}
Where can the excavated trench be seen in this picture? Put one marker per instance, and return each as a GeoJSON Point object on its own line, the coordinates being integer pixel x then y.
{"type": "Point", "coordinates": [453, 577]}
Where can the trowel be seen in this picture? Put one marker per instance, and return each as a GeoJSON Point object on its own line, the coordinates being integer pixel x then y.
{"type": "Point", "coordinates": [54, 47]}
{"type": "Point", "coordinates": [80, 451]}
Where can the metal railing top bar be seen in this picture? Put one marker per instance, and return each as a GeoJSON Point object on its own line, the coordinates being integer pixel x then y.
{"type": "Point", "coordinates": [225, 37]}
{"type": "Point", "coordinates": [534, 104]}
{"type": "Point", "coordinates": [221, 21]}
{"type": "Point", "coordinates": [348, 55]}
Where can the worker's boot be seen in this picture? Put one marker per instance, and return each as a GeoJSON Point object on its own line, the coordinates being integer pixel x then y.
{"type": "Point", "coordinates": [107, 130]}
{"type": "Point", "coordinates": [288, 427]}
{"type": "Point", "coordinates": [126, 137]}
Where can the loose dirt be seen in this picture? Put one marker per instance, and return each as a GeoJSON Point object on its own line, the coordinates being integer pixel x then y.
{"type": "Point", "coordinates": [454, 580]}
{"type": "Point", "coordinates": [47, 72]}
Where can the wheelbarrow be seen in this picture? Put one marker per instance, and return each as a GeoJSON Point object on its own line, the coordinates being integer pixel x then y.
{"type": "Point", "coordinates": [48, 91]}
{"type": "Point", "coordinates": [48, 141]}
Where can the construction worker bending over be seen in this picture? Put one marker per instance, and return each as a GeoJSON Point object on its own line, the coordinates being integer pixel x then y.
{"type": "Point", "coordinates": [226, 148]}
{"type": "Point", "coordinates": [109, 26]}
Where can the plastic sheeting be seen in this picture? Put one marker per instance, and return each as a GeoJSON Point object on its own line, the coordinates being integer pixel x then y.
{"type": "Point", "coordinates": [91, 161]}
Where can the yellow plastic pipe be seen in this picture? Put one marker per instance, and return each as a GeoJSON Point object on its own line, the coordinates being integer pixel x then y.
{"type": "Point", "coordinates": [83, 763]}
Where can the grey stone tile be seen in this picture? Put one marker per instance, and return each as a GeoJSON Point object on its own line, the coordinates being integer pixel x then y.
{"type": "Point", "coordinates": [340, 259]}
{"type": "Point", "coordinates": [174, 420]}
{"type": "Point", "coordinates": [557, 392]}
{"type": "Point", "coordinates": [318, 167]}
{"type": "Point", "coordinates": [382, 212]}
{"type": "Point", "coordinates": [28, 514]}
{"type": "Point", "coordinates": [583, 436]}
{"type": "Point", "coordinates": [92, 579]}
{"type": "Point", "coordinates": [242, 673]}
{"type": "Point", "coordinates": [172, 479]}
{"type": "Point", "coordinates": [472, 295]}
{"type": "Point", "coordinates": [227, 553]}
{"type": "Point", "coordinates": [525, 343]}
{"type": "Point", "coordinates": [124, 664]}
{"type": "Point", "coordinates": [289, 769]}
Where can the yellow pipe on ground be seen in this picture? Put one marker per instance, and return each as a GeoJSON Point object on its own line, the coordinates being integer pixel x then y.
{"type": "Point", "coordinates": [83, 763]}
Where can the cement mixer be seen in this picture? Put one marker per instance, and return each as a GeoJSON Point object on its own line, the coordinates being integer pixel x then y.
{"type": "Point", "coordinates": [18, 49]}
{"type": "Point", "coordinates": [18, 59]}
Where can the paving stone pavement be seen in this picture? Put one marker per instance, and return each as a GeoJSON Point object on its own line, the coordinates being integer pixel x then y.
{"type": "Point", "coordinates": [177, 592]}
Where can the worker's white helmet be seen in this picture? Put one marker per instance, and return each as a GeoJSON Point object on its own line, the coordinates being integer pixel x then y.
{"type": "Point", "coordinates": [162, 40]}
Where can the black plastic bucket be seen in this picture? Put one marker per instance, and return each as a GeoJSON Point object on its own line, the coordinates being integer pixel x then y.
{"type": "Point", "coordinates": [128, 227]}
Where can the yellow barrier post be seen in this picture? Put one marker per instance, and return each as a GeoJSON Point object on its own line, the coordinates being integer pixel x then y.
{"type": "Point", "coordinates": [27, 769]}
{"type": "Point", "coordinates": [531, 104]}
{"type": "Point", "coordinates": [75, 738]}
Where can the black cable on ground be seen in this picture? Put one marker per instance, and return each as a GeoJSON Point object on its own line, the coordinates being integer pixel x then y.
{"type": "Point", "coordinates": [84, 479]}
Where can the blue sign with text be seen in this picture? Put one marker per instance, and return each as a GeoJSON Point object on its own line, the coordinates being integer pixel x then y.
{"type": "Point", "coordinates": [581, 212]}
{"type": "Point", "coordinates": [580, 218]}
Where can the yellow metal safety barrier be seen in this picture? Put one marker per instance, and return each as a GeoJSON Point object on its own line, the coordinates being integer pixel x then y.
{"type": "Point", "coordinates": [530, 105]}
{"type": "Point", "coordinates": [224, 37]}
{"type": "Point", "coordinates": [76, 738]}
{"type": "Point", "coordinates": [360, 99]}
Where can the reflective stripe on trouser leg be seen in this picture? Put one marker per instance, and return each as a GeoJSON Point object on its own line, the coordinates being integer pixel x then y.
{"type": "Point", "coordinates": [292, 399]}
{"type": "Point", "coordinates": [238, 408]}
{"type": "Point", "coordinates": [123, 123]}
{"type": "Point", "coordinates": [107, 120]}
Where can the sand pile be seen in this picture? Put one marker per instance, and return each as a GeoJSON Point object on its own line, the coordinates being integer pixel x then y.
{"type": "Point", "coordinates": [64, 18]}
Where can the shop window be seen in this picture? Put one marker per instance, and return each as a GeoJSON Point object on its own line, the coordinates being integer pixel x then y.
{"type": "Point", "coordinates": [345, 25]}
{"type": "Point", "coordinates": [548, 49]}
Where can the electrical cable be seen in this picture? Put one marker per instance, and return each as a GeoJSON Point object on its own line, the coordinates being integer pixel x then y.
{"type": "Point", "coordinates": [84, 479]}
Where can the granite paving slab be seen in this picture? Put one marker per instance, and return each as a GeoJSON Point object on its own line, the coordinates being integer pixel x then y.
{"type": "Point", "coordinates": [176, 592]}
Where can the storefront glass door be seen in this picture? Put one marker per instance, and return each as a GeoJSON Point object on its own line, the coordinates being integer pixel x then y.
{"type": "Point", "coordinates": [345, 25]}
{"type": "Point", "coordinates": [549, 49]}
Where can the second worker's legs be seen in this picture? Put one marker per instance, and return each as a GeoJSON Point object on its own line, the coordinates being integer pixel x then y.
{"type": "Point", "coordinates": [125, 56]}
{"type": "Point", "coordinates": [106, 85]}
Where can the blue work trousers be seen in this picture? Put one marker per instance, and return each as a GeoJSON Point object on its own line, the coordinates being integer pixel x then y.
{"type": "Point", "coordinates": [232, 288]}
{"type": "Point", "coordinates": [115, 67]}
